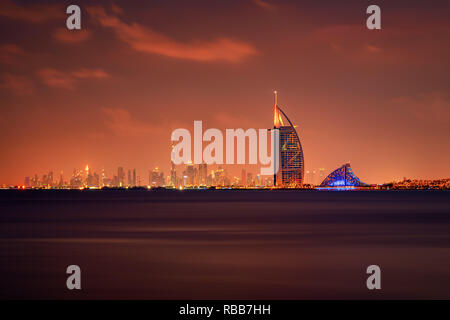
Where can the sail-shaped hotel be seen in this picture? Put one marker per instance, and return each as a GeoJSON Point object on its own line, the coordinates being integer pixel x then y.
{"type": "Point", "coordinates": [292, 164]}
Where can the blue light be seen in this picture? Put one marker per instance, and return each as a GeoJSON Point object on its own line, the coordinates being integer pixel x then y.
{"type": "Point", "coordinates": [337, 183]}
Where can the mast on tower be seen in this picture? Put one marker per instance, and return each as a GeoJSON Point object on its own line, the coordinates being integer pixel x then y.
{"type": "Point", "coordinates": [277, 120]}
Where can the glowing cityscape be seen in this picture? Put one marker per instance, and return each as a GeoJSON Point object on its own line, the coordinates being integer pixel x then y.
{"type": "Point", "coordinates": [189, 176]}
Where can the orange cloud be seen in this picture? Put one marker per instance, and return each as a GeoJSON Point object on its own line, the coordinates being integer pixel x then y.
{"type": "Point", "coordinates": [350, 40]}
{"type": "Point", "coordinates": [19, 85]}
{"type": "Point", "coordinates": [71, 36]}
{"type": "Point", "coordinates": [144, 39]}
{"type": "Point", "coordinates": [68, 80]}
{"type": "Point", "coordinates": [356, 43]}
{"type": "Point", "coordinates": [10, 53]}
{"type": "Point", "coordinates": [432, 107]}
{"type": "Point", "coordinates": [263, 4]}
{"type": "Point", "coordinates": [32, 13]}
{"type": "Point", "coordinates": [90, 73]}
{"type": "Point", "coordinates": [122, 123]}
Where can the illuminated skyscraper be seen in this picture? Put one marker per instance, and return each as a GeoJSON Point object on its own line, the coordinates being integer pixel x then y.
{"type": "Point", "coordinates": [156, 178]}
{"type": "Point", "coordinates": [61, 180]}
{"type": "Point", "coordinates": [244, 177]}
{"type": "Point", "coordinates": [250, 181]}
{"type": "Point", "coordinates": [292, 165]}
{"type": "Point", "coordinates": [321, 174]}
{"type": "Point", "coordinates": [120, 176]}
{"type": "Point", "coordinates": [189, 173]}
{"type": "Point", "coordinates": [202, 174]}
{"type": "Point", "coordinates": [27, 183]}
{"type": "Point", "coordinates": [50, 179]}
{"type": "Point", "coordinates": [103, 178]}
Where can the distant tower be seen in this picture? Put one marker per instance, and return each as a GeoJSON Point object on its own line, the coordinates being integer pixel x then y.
{"type": "Point", "coordinates": [244, 177]}
{"type": "Point", "coordinates": [86, 172]}
{"type": "Point", "coordinates": [134, 177]}
{"type": "Point", "coordinates": [61, 179]}
{"type": "Point", "coordinates": [250, 182]}
{"type": "Point", "coordinates": [202, 173]}
{"type": "Point", "coordinates": [120, 176]}
{"type": "Point", "coordinates": [130, 182]}
{"type": "Point", "coordinates": [321, 174]}
{"type": "Point", "coordinates": [27, 182]}
{"type": "Point", "coordinates": [156, 178]}
{"type": "Point", "coordinates": [50, 178]}
{"type": "Point", "coordinates": [103, 177]}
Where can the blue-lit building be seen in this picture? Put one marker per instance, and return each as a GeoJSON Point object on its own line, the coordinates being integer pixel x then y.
{"type": "Point", "coordinates": [343, 177]}
{"type": "Point", "coordinates": [292, 164]}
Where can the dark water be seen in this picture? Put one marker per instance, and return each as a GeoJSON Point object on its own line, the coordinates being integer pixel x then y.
{"type": "Point", "coordinates": [224, 244]}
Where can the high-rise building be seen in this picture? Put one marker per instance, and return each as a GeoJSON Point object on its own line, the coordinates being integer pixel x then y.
{"type": "Point", "coordinates": [35, 181]}
{"type": "Point", "coordinates": [292, 165]}
{"type": "Point", "coordinates": [173, 176]}
{"type": "Point", "coordinates": [61, 180]}
{"type": "Point", "coordinates": [321, 174]}
{"type": "Point", "coordinates": [103, 178]}
{"type": "Point", "coordinates": [76, 181]}
{"type": "Point", "coordinates": [202, 174]}
{"type": "Point", "coordinates": [156, 178]}
{"type": "Point", "coordinates": [50, 179]}
{"type": "Point", "coordinates": [121, 177]}
{"type": "Point", "coordinates": [134, 178]}
{"type": "Point", "coordinates": [250, 181]}
{"type": "Point", "coordinates": [190, 174]}
{"type": "Point", "coordinates": [27, 182]}
{"type": "Point", "coordinates": [244, 177]}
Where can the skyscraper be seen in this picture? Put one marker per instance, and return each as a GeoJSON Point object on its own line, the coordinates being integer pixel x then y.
{"type": "Point", "coordinates": [156, 178]}
{"type": "Point", "coordinates": [27, 182]}
{"type": "Point", "coordinates": [321, 174]}
{"type": "Point", "coordinates": [190, 173]}
{"type": "Point", "coordinates": [250, 179]}
{"type": "Point", "coordinates": [173, 175]}
{"type": "Point", "coordinates": [120, 177]}
{"type": "Point", "coordinates": [244, 177]}
{"type": "Point", "coordinates": [292, 165]}
{"type": "Point", "coordinates": [103, 178]}
{"type": "Point", "coordinates": [202, 174]}
{"type": "Point", "coordinates": [61, 180]}
{"type": "Point", "coordinates": [134, 178]}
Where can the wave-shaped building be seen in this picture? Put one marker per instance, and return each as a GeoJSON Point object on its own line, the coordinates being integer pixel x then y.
{"type": "Point", "coordinates": [343, 177]}
{"type": "Point", "coordinates": [292, 163]}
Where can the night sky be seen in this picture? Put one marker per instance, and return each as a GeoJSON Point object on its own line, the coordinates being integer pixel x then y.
{"type": "Point", "coordinates": [111, 94]}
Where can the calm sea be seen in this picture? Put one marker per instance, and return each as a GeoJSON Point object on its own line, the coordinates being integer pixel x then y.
{"type": "Point", "coordinates": [224, 244]}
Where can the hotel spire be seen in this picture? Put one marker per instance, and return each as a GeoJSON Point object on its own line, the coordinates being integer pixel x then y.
{"type": "Point", "coordinates": [277, 120]}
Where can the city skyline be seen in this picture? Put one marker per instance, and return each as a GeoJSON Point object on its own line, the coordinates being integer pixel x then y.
{"type": "Point", "coordinates": [189, 175]}
{"type": "Point", "coordinates": [111, 94]}
{"type": "Point", "coordinates": [193, 176]}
